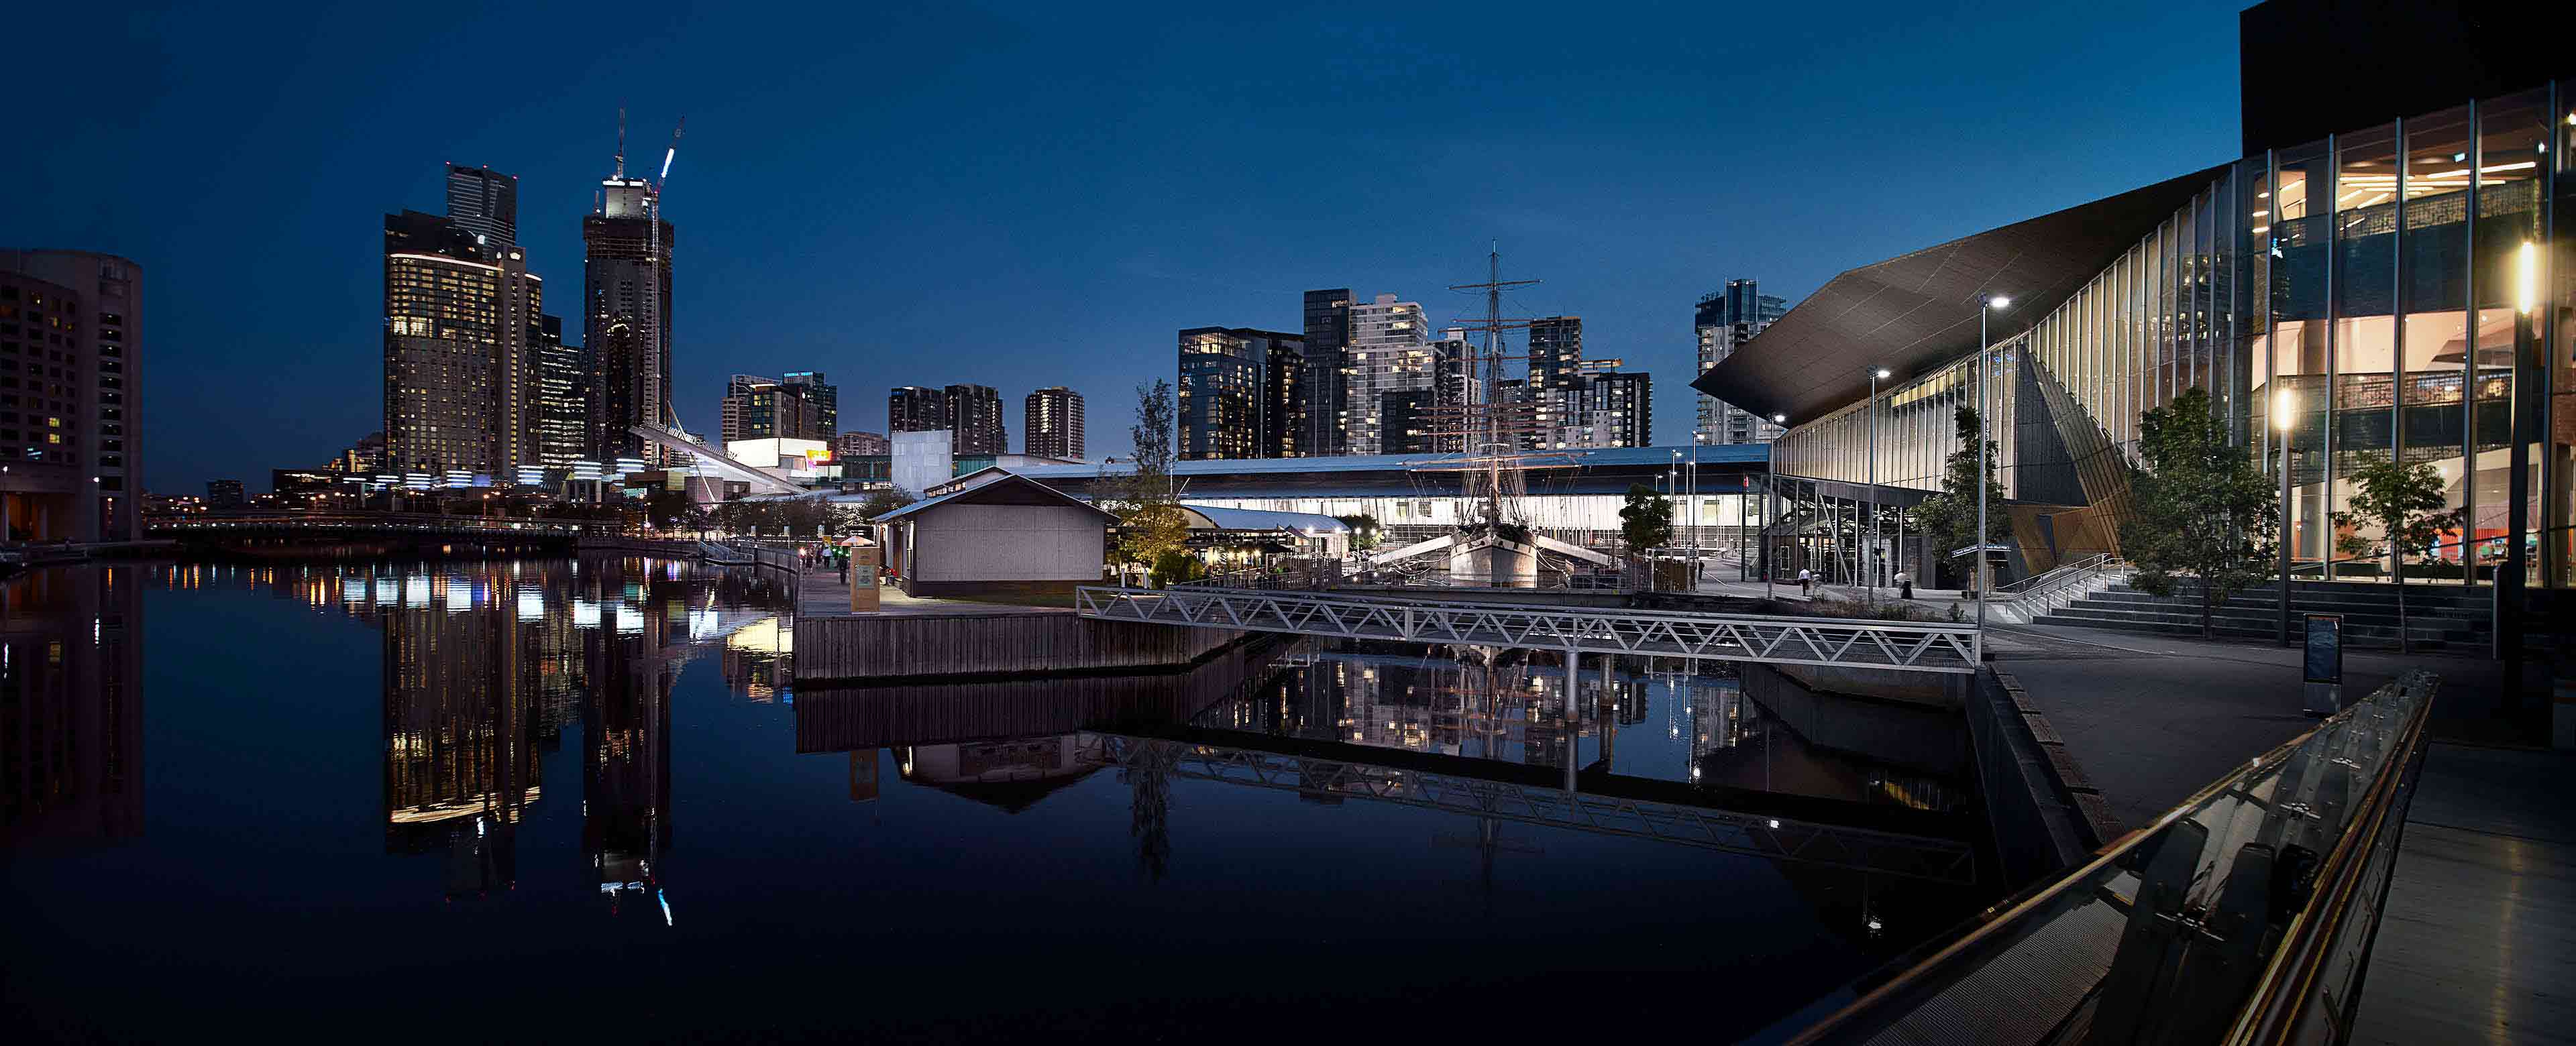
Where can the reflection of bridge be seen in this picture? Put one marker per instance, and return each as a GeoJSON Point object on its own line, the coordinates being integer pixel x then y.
{"type": "Point", "coordinates": [1851, 643]}
{"type": "Point", "coordinates": [1477, 788]}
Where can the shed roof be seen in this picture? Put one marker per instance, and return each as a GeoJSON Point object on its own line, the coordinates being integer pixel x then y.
{"type": "Point", "coordinates": [1007, 489]}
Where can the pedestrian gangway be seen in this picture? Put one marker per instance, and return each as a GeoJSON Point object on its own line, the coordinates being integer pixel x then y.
{"type": "Point", "coordinates": [1904, 646]}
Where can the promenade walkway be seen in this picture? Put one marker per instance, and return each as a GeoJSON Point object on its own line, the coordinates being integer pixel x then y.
{"type": "Point", "coordinates": [820, 593]}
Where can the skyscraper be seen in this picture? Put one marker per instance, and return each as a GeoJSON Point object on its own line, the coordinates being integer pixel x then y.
{"type": "Point", "coordinates": [1724, 321]}
{"type": "Point", "coordinates": [73, 430]}
{"type": "Point", "coordinates": [1229, 404]}
{"type": "Point", "coordinates": [975, 415]}
{"type": "Point", "coordinates": [1555, 372]}
{"type": "Point", "coordinates": [1328, 330]}
{"type": "Point", "coordinates": [856, 444]}
{"type": "Point", "coordinates": [768, 408]}
{"type": "Point", "coordinates": [563, 397]}
{"type": "Point", "coordinates": [822, 402]}
{"type": "Point", "coordinates": [1618, 408]}
{"type": "Point", "coordinates": [1051, 423]}
{"type": "Point", "coordinates": [485, 202]}
{"type": "Point", "coordinates": [912, 408]}
{"type": "Point", "coordinates": [1389, 351]}
{"type": "Point", "coordinates": [462, 383]}
{"type": "Point", "coordinates": [626, 325]}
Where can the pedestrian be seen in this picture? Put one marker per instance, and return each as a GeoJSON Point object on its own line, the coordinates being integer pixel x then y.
{"type": "Point", "coordinates": [1904, 585]}
{"type": "Point", "coordinates": [1806, 583]}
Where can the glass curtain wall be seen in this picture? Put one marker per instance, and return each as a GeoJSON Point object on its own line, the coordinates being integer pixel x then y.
{"type": "Point", "coordinates": [2338, 297]}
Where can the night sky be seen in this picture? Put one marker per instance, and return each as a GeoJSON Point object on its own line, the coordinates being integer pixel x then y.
{"type": "Point", "coordinates": [1021, 197]}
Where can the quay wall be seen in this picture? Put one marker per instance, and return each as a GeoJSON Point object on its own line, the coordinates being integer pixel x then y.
{"type": "Point", "coordinates": [862, 647]}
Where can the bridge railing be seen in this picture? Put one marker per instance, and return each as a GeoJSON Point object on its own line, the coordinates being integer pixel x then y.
{"type": "Point", "coordinates": [1847, 642]}
{"type": "Point", "coordinates": [2244, 915]}
{"type": "Point", "coordinates": [379, 521]}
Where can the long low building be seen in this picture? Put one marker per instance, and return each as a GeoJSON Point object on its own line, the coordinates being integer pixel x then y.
{"type": "Point", "coordinates": [1576, 494]}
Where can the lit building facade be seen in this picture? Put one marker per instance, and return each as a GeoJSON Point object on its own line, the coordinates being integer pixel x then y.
{"type": "Point", "coordinates": [1229, 403]}
{"type": "Point", "coordinates": [1051, 423]}
{"type": "Point", "coordinates": [462, 381]}
{"type": "Point", "coordinates": [71, 338]}
{"type": "Point", "coordinates": [766, 408]}
{"type": "Point", "coordinates": [626, 316]}
{"type": "Point", "coordinates": [912, 408]}
{"type": "Point", "coordinates": [1724, 320]}
{"type": "Point", "coordinates": [563, 399]}
{"type": "Point", "coordinates": [1325, 388]}
{"type": "Point", "coordinates": [1389, 353]}
{"type": "Point", "coordinates": [975, 415]}
{"type": "Point", "coordinates": [2397, 289]}
{"type": "Point", "coordinates": [860, 445]}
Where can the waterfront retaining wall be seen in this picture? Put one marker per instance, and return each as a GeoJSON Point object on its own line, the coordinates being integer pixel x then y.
{"type": "Point", "coordinates": [866, 647]}
{"type": "Point", "coordinates": [2045, 814]}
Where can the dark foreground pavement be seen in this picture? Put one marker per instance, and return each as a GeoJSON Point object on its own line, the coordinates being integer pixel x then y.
{"type": "Point", "coordinates": [2153, 719]}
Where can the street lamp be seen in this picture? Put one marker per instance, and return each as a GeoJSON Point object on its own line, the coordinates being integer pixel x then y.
{"type": "Point", "coordinates": [1985, 362]}
{"type": "Point", "coordinates": [1869, 544]}
{"type": "Point", "coordinates": [2283, 402]}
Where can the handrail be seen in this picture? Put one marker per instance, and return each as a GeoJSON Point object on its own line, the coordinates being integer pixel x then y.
{"type": "Point", "coordinates": [2167, 911]}
{"type": "Point", "coordinates": [1846, 642]}
{"type": "Point", "coordinates": [2061, 570]}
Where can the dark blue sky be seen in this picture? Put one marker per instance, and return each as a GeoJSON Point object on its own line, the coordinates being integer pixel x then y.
{"type": "Point", "coordinates": [1035, 196]}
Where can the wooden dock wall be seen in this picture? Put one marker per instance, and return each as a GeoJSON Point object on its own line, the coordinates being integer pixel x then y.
{"type": "Point", "coordinates": [859, 648]}
{"type": "Point", "coordinates": [847, 718]}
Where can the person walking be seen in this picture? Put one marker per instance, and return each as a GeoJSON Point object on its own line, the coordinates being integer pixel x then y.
{"type": "Point", "coordinates": [1904, 585]}
{"type": "Point", "coordinates": [1806, 583]}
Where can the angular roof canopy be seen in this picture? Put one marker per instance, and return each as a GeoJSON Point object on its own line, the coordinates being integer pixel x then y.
{"type": "Point", "coordinates": [1918, 311]}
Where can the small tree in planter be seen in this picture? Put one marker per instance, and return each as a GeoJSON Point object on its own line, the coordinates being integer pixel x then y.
{"type": "Point", "coordinates": [2409, 504]}
{"type": "Point", "coordinates": [2200, 507]}
{"type": "Point", "coordinates": [1645, 523]}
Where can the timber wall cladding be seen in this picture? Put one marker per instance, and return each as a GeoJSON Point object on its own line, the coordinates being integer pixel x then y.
{"type": "Point", "coordinates": [990, 644]}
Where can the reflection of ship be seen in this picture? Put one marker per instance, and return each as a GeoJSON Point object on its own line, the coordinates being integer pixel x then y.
{"type": "Point", "coordinates": [71, 707]}
{"type": "Point", "coordinates": [1011, 774]}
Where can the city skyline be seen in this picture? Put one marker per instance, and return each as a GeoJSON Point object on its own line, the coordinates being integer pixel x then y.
{"type": "Point", "coordinates": [1687, 210]}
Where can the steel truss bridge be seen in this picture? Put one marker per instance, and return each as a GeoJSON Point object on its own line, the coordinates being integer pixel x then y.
{"type": "Point", "coordinates": [1758, 835]}
{"type": "Point", "coordinates": [1902, 646]}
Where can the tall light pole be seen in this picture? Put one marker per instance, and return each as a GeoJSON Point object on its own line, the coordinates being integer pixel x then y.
{"type": "Point", "coordinates": [1770, 500]}
{"type": "Point", "coordinates": [2283, 402]}
{"type": "Point", "coordinates": [1985, 362]}
{"type": "Point", "coordinates": [1869, 545]}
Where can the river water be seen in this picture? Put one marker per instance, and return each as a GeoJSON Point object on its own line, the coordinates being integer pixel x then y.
{"type": "Point", "coordinates": [506, 799]}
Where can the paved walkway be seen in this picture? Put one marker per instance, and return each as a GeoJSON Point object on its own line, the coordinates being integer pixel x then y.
{"type": "Point", "coordinates": [2152, 719]}
{"type": "Point", "coordinates": [2478, 942]}
{"type": "Point", "coordinates": [820, 593]}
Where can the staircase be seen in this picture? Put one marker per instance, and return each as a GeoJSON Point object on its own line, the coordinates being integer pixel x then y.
{"type": "Point", "coordinates": [2437, 616]}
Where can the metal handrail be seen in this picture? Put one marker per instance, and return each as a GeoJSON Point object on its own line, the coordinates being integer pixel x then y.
{"type": "Point", "coordinates": [2067, 584]}
{"type": "Point", "coordinates": [1847, 642]}
{"type": "Point", "coordinates": [2193, 889]}
{"type": "Point", "coordinates": [2062, 570]}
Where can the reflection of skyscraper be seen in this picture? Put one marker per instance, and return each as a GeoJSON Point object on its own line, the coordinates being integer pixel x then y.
{"type": "Point", "coordinates": [626, 764]}
{"type": "Point", "coordinates": [464, 712]}
{"type": "Point", "coordinates": [71, 708]}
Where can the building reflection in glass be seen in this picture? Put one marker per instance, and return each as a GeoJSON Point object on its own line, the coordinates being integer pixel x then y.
{"type": "Point", "coordinates": [71, 708]}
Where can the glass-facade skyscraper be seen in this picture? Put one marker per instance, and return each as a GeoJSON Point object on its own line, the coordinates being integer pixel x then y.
{"type": "Point", "coordinates": [1723, 320]}
{"type": "Point", "coordinates": [1328, 332]}
{"type": "Point", "coordinates": [1229, 403]}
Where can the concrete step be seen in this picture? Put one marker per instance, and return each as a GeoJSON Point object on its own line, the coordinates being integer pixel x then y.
{"type": "Point", "coordinates": [2265, 613]}
{"type": "Point", "coordinates": [2189, 624]}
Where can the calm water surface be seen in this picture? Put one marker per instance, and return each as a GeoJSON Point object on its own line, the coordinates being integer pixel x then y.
{"type": "Point", "coordinates": [465, 799]}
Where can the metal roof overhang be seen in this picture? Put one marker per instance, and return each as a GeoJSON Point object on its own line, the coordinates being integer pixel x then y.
{"type": "Point", "coordinates": [1918, 311]}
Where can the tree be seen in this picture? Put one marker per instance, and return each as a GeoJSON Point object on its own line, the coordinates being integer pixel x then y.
{"type": "Point", "coordinates": [2408, 503]}
{"type": "Point", "coordinates": [1364, 531]}
{"type": "Point", "coordinates": [2200, 507]}
{"type": "Point", "coordinates": [883, 501]}
{"type": "Point", "coordinates": [1646, 519]}
{"type": "Point", "coordinates": [1150, 523]}
{"type": "Point", "coordinates": [1949, 518]}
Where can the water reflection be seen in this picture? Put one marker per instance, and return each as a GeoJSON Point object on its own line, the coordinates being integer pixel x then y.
{"type": "Point", "coordinates": [539, 735]}
{"type": "Point", "coordinates": [71, 708]}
